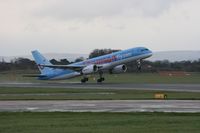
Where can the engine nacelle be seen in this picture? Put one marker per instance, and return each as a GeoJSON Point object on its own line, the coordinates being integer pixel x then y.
{"type": "Point", "coordinates": [90, 69]}
{"type": "Point", "coordinates": [118, 69]}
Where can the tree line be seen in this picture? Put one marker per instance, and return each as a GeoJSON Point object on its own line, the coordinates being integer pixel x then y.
{"type": "Point", "coordinates": [147, 66]}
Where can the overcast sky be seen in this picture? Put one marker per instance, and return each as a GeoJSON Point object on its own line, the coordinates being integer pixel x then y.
{"type": "Point", "coordinates": [79, 26]}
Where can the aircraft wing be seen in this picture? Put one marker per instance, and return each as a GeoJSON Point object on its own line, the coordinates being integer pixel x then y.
{"type": "Point", "coordinates": [72, 67]}
{"type": "Point", "coordinates": [35, 75]}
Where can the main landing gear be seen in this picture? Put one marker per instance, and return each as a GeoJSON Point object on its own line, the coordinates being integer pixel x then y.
{"type": "Point", "coordinates": [85, 79]}
{"type": "Point", "coordinates": [100, 80]}
{"type": "Point", "coordinates": [101, 77]}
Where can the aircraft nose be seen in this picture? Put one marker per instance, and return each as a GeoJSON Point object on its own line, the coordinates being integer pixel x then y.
{"type": "Point", "coordinates": [150, 53]}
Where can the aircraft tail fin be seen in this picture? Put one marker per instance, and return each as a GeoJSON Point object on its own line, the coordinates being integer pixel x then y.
{"type": "Point", "coordinates": [41, 60]}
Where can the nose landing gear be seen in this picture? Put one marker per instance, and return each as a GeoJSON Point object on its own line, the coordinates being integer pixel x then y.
{"type": "Point", "coordinates": [139, 66]}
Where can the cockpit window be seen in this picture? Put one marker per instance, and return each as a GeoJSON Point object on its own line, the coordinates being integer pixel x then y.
{"type": "Point", "coordinates": [144, 49]}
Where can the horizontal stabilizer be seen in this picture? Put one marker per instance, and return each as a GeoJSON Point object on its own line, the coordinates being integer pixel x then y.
{"type": "Point", "coordinates": [35, 75]}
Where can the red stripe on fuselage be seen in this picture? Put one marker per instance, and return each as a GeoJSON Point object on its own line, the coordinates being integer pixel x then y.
{"type": "Point", "coordinates": [101, 61]}
{"type": "Point", "coordinates": [107, 60]}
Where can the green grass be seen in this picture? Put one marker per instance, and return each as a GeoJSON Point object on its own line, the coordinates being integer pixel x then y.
{"type": "Point", "coordinates": [114, 78]}
{"type": "Point", "coordinates": [17, 76]}
{"type": "Point", "coordinates": [153, 78]}
{"type": "Point", "coordinates": [88, 94]}
{"type": "Point", "coordinates": [55, 122]}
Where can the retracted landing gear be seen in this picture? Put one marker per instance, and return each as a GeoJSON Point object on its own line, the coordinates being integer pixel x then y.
{"type": "Point", "coordinates": [101, 77]}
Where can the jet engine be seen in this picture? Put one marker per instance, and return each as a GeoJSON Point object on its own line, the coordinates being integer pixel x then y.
{"type": "Point", "coordinates": [89, 69]}
{"type": "Point", "coordinates": [118, 69]}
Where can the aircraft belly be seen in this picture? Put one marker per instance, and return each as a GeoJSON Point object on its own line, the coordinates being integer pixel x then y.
{"type": "Point", "coordinates": [66, 76]}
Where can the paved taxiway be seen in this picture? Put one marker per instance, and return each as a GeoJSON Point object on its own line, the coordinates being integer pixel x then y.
{"type": "Point", "coordinates": [165, 87]}
{"type": "Point", "coordinates": [102, 106]}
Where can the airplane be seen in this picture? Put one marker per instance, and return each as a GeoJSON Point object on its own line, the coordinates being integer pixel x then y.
{"type": "Point", "coordinates": [112, 63]}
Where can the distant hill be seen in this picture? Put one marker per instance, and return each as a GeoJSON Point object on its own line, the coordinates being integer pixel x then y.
{"type": "Point", "coordinates": [57, 56]}
{"type": "Point", "coordinates": [176, 55]}
{"type": "Point", "coordinates": [165, 55]}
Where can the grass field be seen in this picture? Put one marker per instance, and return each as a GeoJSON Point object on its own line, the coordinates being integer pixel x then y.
{"type": "Point", "coordinates": [55, 122]}
{"type": "Point", "coordinates": [88, 94]}
{"type": "Point", "coordinates": [114, 78]}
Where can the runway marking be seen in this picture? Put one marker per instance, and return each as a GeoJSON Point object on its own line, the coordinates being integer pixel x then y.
{"type": "Point", "coordinates": [102, 106]}
{"type": "Point", "coordinates": [58, 94]}
{"type": "Point", "coordinates": [31, 108]}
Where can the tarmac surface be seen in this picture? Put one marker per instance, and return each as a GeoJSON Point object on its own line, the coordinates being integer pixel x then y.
{"type": "Point", "coordinates": [102, 106]}
{"type": "Point", "coordinates": [163, 87]}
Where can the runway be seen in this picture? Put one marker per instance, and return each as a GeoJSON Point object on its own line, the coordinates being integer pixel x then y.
{"type": "Point", "coordinates": [102, 106]}
{"type": "Point", "coordinates": [163, 87]}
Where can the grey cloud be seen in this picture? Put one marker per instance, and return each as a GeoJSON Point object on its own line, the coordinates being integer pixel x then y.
{"type": "Point", "coordinates": [89, 9]}
{"type": "Point", "coordinates": [62, 25]}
